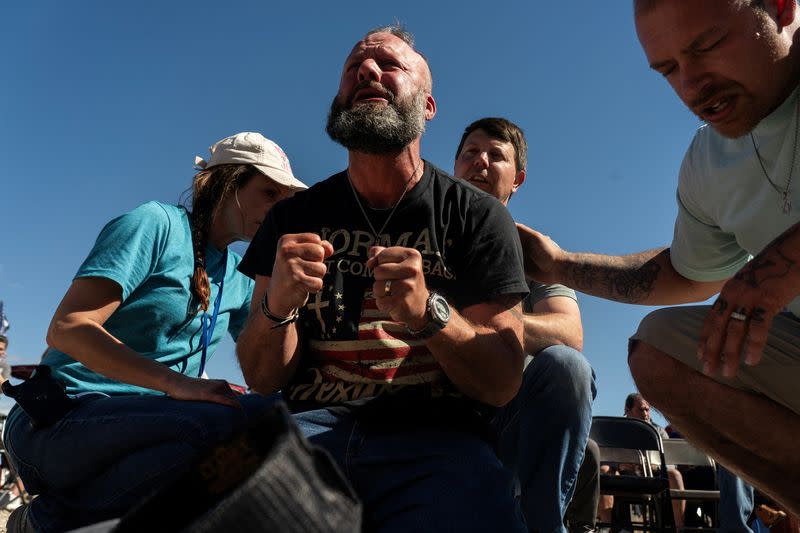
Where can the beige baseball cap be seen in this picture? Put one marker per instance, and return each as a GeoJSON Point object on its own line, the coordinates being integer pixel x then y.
{"type": "Point", "coordinates": [252, 148]}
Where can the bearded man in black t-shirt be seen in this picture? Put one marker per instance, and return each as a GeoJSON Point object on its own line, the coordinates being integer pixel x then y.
{"type": "Point", "coordinates": [387, 309]}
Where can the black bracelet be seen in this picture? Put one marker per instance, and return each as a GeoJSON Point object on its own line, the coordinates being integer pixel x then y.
{"type": "Point", "coordinates": [279, 320]}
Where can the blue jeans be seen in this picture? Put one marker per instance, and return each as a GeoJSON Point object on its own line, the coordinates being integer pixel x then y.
{"type": "Point", "coordinates": [418, 479]}
{"type": "Point", "coordinates": [106, 454]}
{"type": "Point", "coordinates": [735, 502]}
{"type": "Point", "coordinates": [543, 433]}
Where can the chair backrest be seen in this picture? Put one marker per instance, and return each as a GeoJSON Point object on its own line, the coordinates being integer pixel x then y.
{"type": "Point", "coordinates": [680, 452]}
{"type": "Point", "coordinates": [621, 455]}
{"type": "Point", "coordinates": [632, 434]}
{"type": "Point", "coordinates": [614, 433]}
{"type": "Point", "coordinates": [621, 432]}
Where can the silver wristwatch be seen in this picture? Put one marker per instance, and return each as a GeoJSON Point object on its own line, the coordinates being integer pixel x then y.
{"type": "Point", "coordinates": [438, 312]}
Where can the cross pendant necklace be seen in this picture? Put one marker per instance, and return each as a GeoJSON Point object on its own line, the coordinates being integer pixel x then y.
{"type": "Point", "coordinates": [377, 234]}
{"type": "Point", "coordinates": [786, 201]}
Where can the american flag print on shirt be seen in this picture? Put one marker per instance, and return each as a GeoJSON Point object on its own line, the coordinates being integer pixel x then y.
{"type": "Point", "coordinates": [382, 357]}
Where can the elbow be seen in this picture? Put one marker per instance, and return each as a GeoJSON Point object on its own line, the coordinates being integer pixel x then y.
{"type": "Point", "coordinates": [250, 371]}
{"type": "Point", "coordinates": [256, 377]}
{"type": "Point", "coordinates": [57, 332]}
{"type": "Point", "coordinates": [260, 386]}
{"type": "Point", "coordinates": [505, 389]}
{"type": "Point", "coordinates": [577, 340]}
{"type": "Point", "coordinates": [501, 399]}
{"type": "Point", "coordinates": [258, 380]}
{"type": "Point", "coordinates": [501, 396]}
{"type": "Point", "coordinates": [501, 392]}
{"type": "Point", "coordinates": [572, 331]}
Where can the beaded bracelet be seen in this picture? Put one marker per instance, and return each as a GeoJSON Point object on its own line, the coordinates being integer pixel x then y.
{"type": "Point", "coordinates": [279, 320]}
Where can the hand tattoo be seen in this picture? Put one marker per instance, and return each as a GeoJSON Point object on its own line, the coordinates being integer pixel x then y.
{"type": "Point", "coordinates": [749, 274]}
{"type": "Point", "coordinates": [758, 314]}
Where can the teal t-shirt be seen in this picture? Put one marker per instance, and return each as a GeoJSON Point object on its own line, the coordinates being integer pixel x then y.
{"type": "Point", "coordinates": [148, 252]}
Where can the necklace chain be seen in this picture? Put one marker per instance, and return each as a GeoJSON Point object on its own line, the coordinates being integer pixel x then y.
{"type": "Point", "coordinates": [376, 234]}
{"type": "Point", "coordinates": [786, 201]}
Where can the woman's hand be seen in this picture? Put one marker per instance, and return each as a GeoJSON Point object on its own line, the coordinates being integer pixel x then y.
{"type": "Point", "coordinates": [202, 390]}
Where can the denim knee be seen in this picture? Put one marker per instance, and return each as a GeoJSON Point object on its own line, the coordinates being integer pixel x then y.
{"type": "Point", "coordinates": [566, 370]}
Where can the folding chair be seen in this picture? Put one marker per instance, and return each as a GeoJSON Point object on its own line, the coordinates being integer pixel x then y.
{"type": "Point", "coordinates": [9, 479]}
{"type": "Point", "coordinates": [651, 489]}
{"type": "Point", "coordinates": [680, 452]}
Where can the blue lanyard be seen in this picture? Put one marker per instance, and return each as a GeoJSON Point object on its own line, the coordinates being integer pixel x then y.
{"type": "Point", "coordinates": [210, 322]}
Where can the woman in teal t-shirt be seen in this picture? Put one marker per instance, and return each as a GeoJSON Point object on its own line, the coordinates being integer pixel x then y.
{"type": "Point", "coordinates": [131, 337]}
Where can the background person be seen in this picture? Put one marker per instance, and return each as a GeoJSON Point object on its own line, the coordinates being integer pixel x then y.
{"type": "Point", "coordinates": [637, 407]}
{"type": "Point", "coordinates": [128, 337]}
{"type": "Point", "coordinates": [544, 429]}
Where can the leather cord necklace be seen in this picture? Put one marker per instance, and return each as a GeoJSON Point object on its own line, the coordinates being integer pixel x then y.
{"type": "Point", "coordinates": [786, 203]}
{"type": "Point", "coordinates": [376, 234]}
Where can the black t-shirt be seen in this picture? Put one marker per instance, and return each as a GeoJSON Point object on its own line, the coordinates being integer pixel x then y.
{"type": "Point", "coordinates": [351, 351]}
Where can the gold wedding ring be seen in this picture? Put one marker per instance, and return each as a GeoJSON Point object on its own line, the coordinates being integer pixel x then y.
{"type": "Point", "coordinates": [387, 288]}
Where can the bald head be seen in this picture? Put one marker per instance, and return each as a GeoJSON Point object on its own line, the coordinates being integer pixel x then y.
{"type": "Point", "coordinates": [407, 37]}
{"type": "Point", "coordinates": [643, 6]}
{"type": "Point", "coordinates": [384, 97]}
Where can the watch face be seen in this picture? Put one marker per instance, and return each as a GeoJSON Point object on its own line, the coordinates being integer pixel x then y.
{"type": "Point", "coordinates": [440, 309]}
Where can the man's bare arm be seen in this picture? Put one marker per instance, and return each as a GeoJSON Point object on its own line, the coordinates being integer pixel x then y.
{"type": "Point", "coordinates": [646, 278]}
{"type": "Point", "coordinates": [481, 351]}
{"type": "Point", "coordinates": [554, 320]}
{"type": "Point", "coordinates": [268, 356]}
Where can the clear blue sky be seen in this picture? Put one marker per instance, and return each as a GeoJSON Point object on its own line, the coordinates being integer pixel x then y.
{"type": "Point", "coordinates": [103, 106]}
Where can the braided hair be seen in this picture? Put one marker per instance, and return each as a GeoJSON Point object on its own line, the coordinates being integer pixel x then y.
{"type": "Point", "coordinates": [209, 189]}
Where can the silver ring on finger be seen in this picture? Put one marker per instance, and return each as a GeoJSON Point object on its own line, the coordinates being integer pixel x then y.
{"type": "Point", "coordinates": [738, 316]}
{"type": "Point", "coordinates": [387, 288]}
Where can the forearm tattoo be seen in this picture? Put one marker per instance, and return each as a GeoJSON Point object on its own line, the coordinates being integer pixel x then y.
{"type": "Point", "coordinates": [774, 262]}
{"type": "Point", "coordinates": [631, 278]}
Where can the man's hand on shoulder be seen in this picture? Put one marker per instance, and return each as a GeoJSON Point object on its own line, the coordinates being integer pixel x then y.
{"type": "Point", "coordinates": [740, 319]}
{"type": "Point", "coordinates": [540, 253]}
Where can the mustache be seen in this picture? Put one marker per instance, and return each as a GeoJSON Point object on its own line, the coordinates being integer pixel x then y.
{"type": "Point", "coordinates": [375, 86]}
{"type": "Point", "coordinates": [707, 95]}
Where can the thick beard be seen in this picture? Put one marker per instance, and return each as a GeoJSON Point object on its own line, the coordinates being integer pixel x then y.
{"type": "Point", "coordinates": [375, 129]}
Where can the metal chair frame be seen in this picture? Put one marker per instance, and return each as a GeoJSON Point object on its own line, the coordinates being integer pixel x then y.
{"type": "Point", "coordinates": [8, 474]}
{"type": "Point", "coordinates": [649, 490]}
{"type": "Point", "coordinates": [681, 453]}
